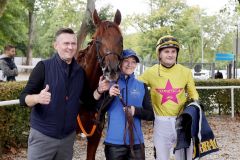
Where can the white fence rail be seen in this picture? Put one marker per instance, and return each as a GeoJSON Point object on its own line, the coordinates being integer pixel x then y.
{"type": "Point", "coordinates": [10, 102]}
{"type": "Point", "coordinates": [25, 67]}
{"type": "Point", "coordinates": [16, 101]}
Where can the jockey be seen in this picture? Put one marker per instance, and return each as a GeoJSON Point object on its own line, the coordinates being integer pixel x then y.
{"type": "Point", "coordinates": [171, 84]}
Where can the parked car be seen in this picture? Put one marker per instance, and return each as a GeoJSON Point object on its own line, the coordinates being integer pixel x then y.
{"type": "Point", "coordinates": [202, 75]}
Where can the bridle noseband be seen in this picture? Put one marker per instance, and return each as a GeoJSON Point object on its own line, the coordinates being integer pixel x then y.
{"type": "Point", "coordinates": [100, 58]}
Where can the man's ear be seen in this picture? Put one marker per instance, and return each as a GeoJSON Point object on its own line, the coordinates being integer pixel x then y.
{"type": "Point", "coordinates": [55, 45]}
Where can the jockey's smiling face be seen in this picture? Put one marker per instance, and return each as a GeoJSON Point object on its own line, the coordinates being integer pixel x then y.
{"type": "Point", "coordinates": [66, 46]}
{"type": "Point", "coordinates": [168, 56]}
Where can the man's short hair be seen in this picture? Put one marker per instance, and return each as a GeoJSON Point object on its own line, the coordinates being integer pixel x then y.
{"type": "Point", "coordinates": [8, 47]}
{"type": "Point", "coordinates": [63, 30]}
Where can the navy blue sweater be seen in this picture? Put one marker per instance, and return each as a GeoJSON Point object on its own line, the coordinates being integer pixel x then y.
{"type": "Point", "coordinates": [67, 87]}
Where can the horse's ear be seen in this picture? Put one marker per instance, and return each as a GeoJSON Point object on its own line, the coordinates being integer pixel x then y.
{"type": "Point", "coordinates": [118, 17]}
{"type": "Point", "coordinates": [96, 19]}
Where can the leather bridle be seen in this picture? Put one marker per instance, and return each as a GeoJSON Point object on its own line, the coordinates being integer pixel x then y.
{"type": "Point", "coordinates": [98, 44]}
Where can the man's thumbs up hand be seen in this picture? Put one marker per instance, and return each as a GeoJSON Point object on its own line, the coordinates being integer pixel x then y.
{"type": "Point", "coordinates": [44, 97]}
{"type": "Point", "coordinates": [46, 88]}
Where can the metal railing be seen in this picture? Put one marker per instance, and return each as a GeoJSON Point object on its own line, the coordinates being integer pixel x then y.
{"type": "Point", "coordinates": [16, 101]}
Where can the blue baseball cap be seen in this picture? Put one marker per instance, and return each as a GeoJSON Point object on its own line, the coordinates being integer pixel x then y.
{"type": "Point", "coordinates": [130, 53]}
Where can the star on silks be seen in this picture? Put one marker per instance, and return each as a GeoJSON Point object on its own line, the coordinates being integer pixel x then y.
{"type": "Point", "coordinates": [169, 93]}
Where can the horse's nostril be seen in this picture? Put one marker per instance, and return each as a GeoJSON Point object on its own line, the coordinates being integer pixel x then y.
{"type": "Point", "coordinates": [112, 73]}
{"type": "Point", "coordinates": [108, 69]}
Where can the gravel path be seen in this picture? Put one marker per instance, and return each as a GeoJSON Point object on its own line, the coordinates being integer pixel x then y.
{"type": "Point", "coordinates": [226, 130]}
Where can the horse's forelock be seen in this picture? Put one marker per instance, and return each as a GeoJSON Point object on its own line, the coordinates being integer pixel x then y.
{"type": "Point", "coordinates": [103, 27]}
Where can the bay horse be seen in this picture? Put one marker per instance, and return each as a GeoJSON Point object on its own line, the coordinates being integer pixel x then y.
{"type": "Point", "coordinates": [101, 57]}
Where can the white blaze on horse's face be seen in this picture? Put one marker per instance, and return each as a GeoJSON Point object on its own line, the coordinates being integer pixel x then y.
{"type": "Point", "coordinates": [66, 46]}
{"type": "Point", "coordinates": [109, 44]}
{"type": "Point", "coordinates": [111, 50]}
{"type": "Point", "coordinates": [111, 74]}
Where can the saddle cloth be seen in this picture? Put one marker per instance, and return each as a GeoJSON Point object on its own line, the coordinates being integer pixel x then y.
{"type": "Point", "coordinates": [192, 125]}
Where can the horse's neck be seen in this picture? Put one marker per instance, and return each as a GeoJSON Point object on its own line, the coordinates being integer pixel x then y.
{"type": "Point", "coordinates": [88, 60]}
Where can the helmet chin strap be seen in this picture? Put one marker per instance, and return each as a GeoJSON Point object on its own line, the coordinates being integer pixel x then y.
{"type": "Point", "coordinates": [168, 66]}
{"type": "Point", "coordinates": [159, 60]}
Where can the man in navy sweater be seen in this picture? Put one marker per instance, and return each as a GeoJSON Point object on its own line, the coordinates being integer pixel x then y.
{"type": "Point", "coordinates": [53, 92]}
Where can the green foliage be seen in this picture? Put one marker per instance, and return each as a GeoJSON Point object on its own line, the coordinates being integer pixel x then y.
{"type": "Point", "coordinates": [187, 28]}
{"type": "Point", "coordinates": [191, 25]}
{"type": "Point", "coordinates": [165, 17]}
{"type": "Point", "coordinates": [14, 120]}
{"type": "Point", "coordinates": [49, 17]}
{"type": "Point", "coordinates": [63, 14]}
{"type": "Point", "coordinates": [3, 4]}
{"type": "Point", "coordinates": [13, 26]}
{"type": "Point", "coordinates": [105, 13]}
{"type": "Point", "coordinates": [219, 99]}
{"type": "Point", "coordinates": [162, 21]}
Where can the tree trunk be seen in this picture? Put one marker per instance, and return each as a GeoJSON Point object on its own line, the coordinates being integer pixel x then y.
{"type": "Point", "coordinates": [84, 29]}
{"type": "Point", "coordinates": [3, 4]}
{"type": "Point", "coordinates": [191, 55]}
{"type": "Point", "coordinates": [30, 38]}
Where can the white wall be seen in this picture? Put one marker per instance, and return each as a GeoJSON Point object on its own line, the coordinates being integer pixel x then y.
{"type": "Point", "coordinates": [19, 61]}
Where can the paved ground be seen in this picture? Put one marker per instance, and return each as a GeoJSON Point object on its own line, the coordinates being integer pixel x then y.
{"type": "Point", "coordinates": [225, 129]}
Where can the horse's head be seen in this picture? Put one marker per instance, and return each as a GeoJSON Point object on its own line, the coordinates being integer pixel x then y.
{"type": "Point", "coordinates": [109, 45]}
